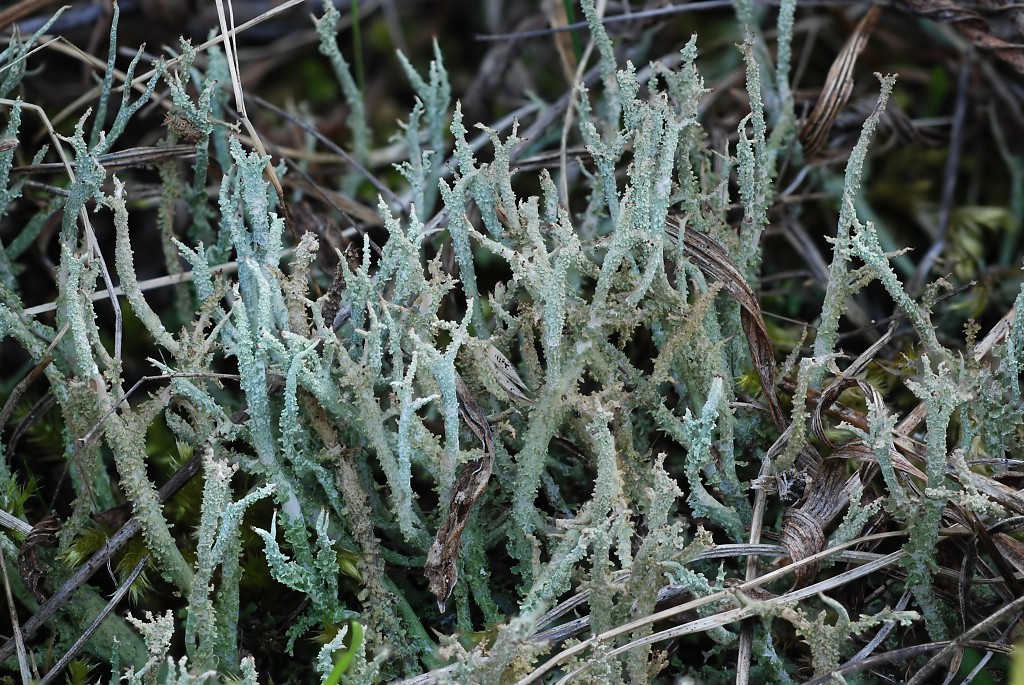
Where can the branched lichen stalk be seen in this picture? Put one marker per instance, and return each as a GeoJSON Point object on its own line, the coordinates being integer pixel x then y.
{"type": "Point", "coordinates": [836, 292]}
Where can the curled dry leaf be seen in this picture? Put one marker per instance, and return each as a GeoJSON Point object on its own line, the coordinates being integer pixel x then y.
{"type": "Point", "coordinates": [441, 568]}
{"type": "Point", "coordinates": [831, 394]}
{"type": "Point", "coordinates": [805, 523]}
{"type": "Point", "coordinates": [31, 570]}
{"type": "Point", "coordinates": [857, 448]}
{"type": "Point", "coordinates": [713, 261]}
{"type": "Point", "coordinates": [506, 374]}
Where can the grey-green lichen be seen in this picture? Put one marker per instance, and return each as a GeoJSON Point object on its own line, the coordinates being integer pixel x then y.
{"type": "Point", "coordinates": [606, 470]}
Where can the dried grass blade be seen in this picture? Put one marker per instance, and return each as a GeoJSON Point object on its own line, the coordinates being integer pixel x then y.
{"type": "Point", "coordinates": [748, 608]}
{"type": "Point", "coordinates": [116, 161]}
{"type": "Point", "coordinates": [562, 39]}
{"type": "Point", "coordinates": [19, 635]}
{"type": "Point", "coordinates": [22, 9]}
{"type": "Point", "coordinates": [838, 86]}
{"type": "Point", "coordinates": [713, 260]}
{"type": "Point", "coordinates": [858, 450]}
{"type": "Point", "coordinates": [122, 590]}
{"type": "Point", "coordinates": [789, 598]}
{"type": "Point", "coordinates": [947, 652]}
{"type": "Point", "coordinates": [1003, 561]}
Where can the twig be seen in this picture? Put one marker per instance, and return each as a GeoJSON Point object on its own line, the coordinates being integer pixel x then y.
{"type": "Point", "coordinates": [905, 655]}
{"type": "Point", "coordinates": [94, 626]}
{"type": "Point", "coordinates": [947, 651]}
{"type": "Point", "coordinates": [330, 145]}
{"type": "Point", "coordinates": [101, 557]}
{"type": "Point", "coordinates": [24, 384]}
{"type": "Point", "coordinates": [746, 645]}
{"type": "Point", "coordinates": [19, 638]}
{"type": "Point", "coordinates": [83, 441]}
{"type": "Point", "coordinates": [150, 284]}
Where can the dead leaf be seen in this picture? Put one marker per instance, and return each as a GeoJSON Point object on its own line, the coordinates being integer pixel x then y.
{"type": "Point", "coordinates": [838, 87]}
{"type": "Point", "coordinates": [441, 568]}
